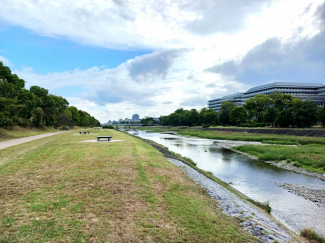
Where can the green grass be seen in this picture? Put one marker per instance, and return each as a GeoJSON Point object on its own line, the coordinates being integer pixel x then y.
{"type": "Point", "coordinates": [311, 157]}
{"type": "Point", "coordinates": [19, 132]}
{"type": "Point", "coordinates": [61, 189]}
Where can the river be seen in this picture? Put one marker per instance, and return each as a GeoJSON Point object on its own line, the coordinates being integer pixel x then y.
{"type": "Point", "coordinates": [255, 179]}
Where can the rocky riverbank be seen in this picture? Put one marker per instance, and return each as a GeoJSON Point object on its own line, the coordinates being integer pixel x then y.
{"type": "Point", "coordinates": [256, 221]}
{"type": "Point", "coordinates": [316, 195]}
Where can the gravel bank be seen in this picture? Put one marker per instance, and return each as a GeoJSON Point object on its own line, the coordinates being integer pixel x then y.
{"type": "Point", "coordinates": [313, 194]}
{"type": "Point", "coordinates": [256, 221]}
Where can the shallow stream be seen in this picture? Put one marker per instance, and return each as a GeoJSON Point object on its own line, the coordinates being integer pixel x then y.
{"type": "Point", "coordinates": [255, 179]}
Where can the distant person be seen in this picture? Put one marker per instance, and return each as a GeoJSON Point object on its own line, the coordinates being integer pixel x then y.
{"type": "Point", "coordinates": [67, 128]}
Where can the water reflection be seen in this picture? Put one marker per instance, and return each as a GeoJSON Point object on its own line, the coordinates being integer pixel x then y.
{"type": "Point", "coordinates": [253, 178]}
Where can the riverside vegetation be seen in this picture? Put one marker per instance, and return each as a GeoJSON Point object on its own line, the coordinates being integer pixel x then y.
{"type": "Point", "coordinates": [309, 154]}
{"type": "Point", "coordinates": [62, 189]}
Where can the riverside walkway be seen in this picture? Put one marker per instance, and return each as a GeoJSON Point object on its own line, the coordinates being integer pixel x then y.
{"type": "Point", "coordinates": [17, 141]}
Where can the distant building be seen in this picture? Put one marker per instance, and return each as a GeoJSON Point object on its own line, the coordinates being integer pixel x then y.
{"type": "Point", "coordinates": [135, 118]}
{"type": "Point", "coordinates": [304, 91]}
{"type": "Point", "coordinates": [127, 120]}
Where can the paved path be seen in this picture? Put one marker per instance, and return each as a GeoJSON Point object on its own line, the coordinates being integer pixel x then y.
{"type": "Point", "coordinates": [13, 142]}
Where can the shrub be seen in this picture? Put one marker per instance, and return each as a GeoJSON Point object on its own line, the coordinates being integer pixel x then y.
{"type": "Point", "coordinates": [205, 126]}
{"type": "Point", "coordinates": [268, 207]}
{"type": "Point", "coordinates": [107, 127]}
{"type": "Point", "coordinates": [312, 235]}
{"type": "Point", "coordinates": [24, 123]}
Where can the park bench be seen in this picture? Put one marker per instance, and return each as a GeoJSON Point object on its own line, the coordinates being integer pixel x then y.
{"type": "Point", "coordinates": [84, 132]}
{"type": "Point", "coordinates": [107, 137]}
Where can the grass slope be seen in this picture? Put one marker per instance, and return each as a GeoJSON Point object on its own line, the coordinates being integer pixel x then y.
{"type": "Point", "coordinates": [61, 189]}
{"type": "Point", "coordinates": [19, 132]}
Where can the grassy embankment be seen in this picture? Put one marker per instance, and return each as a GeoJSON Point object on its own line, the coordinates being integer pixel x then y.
{"type": "Point", "coordinates": [62, 189]}
{"type": "Point", "coordinates": [309, 154]}
{"type": "Point", "coordinates": [19, 132]}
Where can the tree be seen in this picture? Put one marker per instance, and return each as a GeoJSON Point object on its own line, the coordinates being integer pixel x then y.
{"type": "Point", "coordinates": [238, 115]}
{"type": "Point", "coordinates": [304, 113]}
{"type": "Point", "coordinates": [256, 106]}
{"type": "Point", "coordinates": [207, 116]}
{"type": "Point", "coordinates": [75, 115]}
{"type": "Point", "coordinates": [320, 114]}
{"type": "Point", "coordinates": [173, 119]}
{"type": "Point", "coordinates": [280, 100]}
{"type": "Point", "coordinates": [37, 115]}
{"type": "Point", "coordinates": [192, 117]}
{"type": "Point", "coordinates": [224, 112]}
{"type": "Point", "coordinates": [271, 114]}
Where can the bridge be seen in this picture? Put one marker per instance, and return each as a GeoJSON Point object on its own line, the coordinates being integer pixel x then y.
{"type": "Point", "coordinates": [134, 125]}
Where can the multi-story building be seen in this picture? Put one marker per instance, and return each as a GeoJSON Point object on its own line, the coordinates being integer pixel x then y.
{"type": "Point", "coordinates": [304, 91]}
{"type": "Point", "coordinates": [135, 118]}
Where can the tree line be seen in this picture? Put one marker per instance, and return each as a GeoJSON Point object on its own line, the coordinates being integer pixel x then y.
{"type": "Point", "coordinates": [36, 106]}
{"type": "Point", "coordinates": [277, 109]}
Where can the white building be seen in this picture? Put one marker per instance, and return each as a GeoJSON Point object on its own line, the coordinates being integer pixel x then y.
{"type": "Point", "coordinates": [304, 91]}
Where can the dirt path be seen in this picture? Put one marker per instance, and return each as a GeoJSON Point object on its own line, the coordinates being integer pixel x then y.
{"type": "Point", "coordinates": [13, 142]}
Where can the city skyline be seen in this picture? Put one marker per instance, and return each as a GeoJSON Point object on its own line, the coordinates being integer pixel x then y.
{"type": "Point", "coordinates": [113, 58]}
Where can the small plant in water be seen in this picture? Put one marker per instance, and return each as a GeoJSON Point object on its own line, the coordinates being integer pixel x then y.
{"type": "Point", "coordinates": [268, 207]}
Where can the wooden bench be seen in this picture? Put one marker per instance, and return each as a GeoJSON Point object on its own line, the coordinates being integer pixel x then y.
{"type": "Point", "coordinates": [84, 132]}
{"type": "Point", "coordinates": [108, 137]}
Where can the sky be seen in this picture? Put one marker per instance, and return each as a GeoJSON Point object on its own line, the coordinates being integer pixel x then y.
{"type": "Point", "coordinates": [115, 58]}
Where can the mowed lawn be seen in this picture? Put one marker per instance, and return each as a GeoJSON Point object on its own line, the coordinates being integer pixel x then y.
{"type": "Point", "coordinates": [61, 189]}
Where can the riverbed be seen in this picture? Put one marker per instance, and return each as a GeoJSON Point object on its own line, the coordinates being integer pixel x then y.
{"type": "Point", "coordinates": [255, 179]}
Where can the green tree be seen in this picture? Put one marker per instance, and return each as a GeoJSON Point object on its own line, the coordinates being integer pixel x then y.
{"type": "Point", "coordinates": [75, 115]}
{"type": "Point", "coordinates": [238, 115]}
{"type": "Point", "coordinates": [256, 106]}
{"type": "Point", "coordinates": [224, 112]}
{"type": "Point", "coordinates": [320, 114]}
{"type": "Point", "coordinates": [271, 114]}
{"type": "Point", "coordinates": [37, 115]}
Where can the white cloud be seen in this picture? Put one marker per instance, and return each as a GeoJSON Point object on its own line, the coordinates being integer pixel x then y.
{"type": "Point", "coordinates": [5, 61]}
{"type": "Point", "coordinates": [186, 37]}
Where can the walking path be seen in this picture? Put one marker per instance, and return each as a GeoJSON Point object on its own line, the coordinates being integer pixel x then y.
{"type": "Point", "coordinates": [13, 142]}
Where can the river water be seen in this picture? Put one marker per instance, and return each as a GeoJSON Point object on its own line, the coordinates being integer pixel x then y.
{"type": "Point", "coordinates": [255, 179]}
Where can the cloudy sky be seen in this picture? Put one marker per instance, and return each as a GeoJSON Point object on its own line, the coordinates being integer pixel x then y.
{"type": "Point", "coordinates": [114, 58]}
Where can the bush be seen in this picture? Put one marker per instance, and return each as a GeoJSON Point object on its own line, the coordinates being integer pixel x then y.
{"type": "Point", "coordinates": [205, 126]}
{"type": "Point", "coordinates": [312, 235]}
{"type": "Point", "coordinates": [107, 127]}
{"type": "Point", "coordinates": [24, 122]}
{"type": "Point", "coordinates": [252, 125]}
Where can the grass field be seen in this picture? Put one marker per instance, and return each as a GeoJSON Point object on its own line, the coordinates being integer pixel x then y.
{"type": "Point", "coordinates": [61, 189]}
{"type": "Point", "coordinates": [311, 157]}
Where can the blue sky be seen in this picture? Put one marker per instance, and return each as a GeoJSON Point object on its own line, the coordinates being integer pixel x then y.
{"type": "Point", "coordinates": [47, 54]}
{"type": "Point", "coordinates": [115, 58]}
